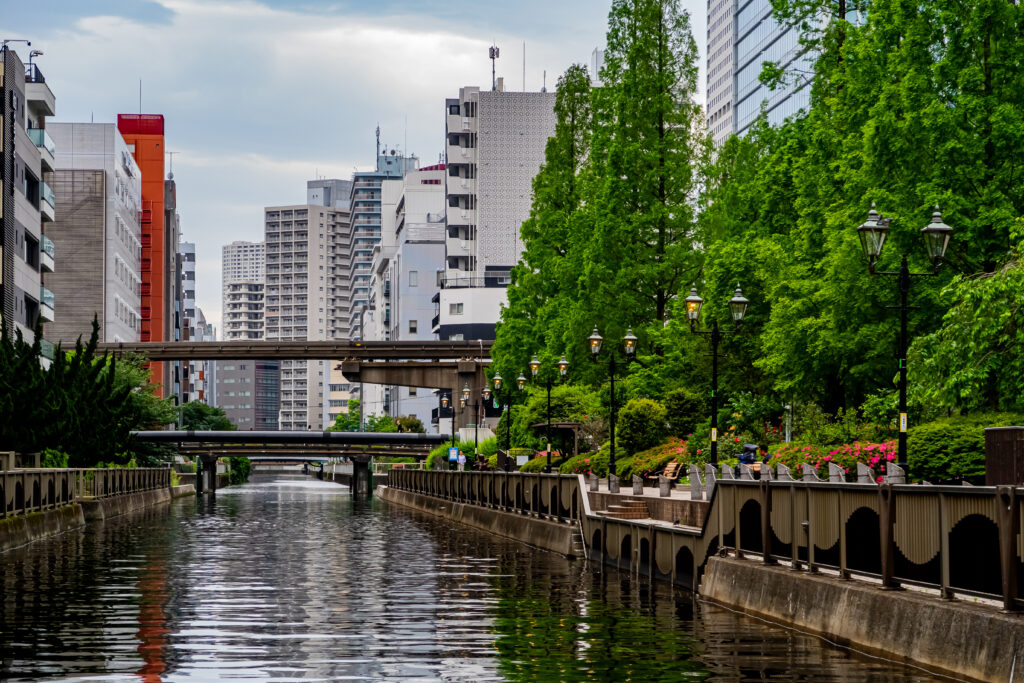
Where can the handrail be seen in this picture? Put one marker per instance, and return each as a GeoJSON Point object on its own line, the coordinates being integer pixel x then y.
{"type": "Point", "coordinates": [23, 491]}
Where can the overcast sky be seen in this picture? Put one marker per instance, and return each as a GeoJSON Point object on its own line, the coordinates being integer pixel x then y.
{"type": "Point", "coordinates": [259, 97]}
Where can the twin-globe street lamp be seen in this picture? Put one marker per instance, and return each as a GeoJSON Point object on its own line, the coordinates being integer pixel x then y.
{"type": "Point", "coordinates": [509, 399]}
{"type": "Point", "coordinates": [629, 347]}
{"type": "Point", "coordinates": [873, 233]}
{"type": "Point", "coordinates": [563, 370]}
{"type": "Point", "coordinates": [738, 309]}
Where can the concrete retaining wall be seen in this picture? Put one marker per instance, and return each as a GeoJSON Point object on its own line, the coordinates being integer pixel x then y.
{"type": "Point", "coordinates": [183, 490]}
{"type": "Point", "coordinates": [686, 512]}
{"type": "Point", "coordinates": [21, 529]}
{"type": "Point", "coordinates": [104, 508]}
{"type": "Point", "coordinates": [956, 637]}
{"type": "Point", "coordinates": [536, 532]}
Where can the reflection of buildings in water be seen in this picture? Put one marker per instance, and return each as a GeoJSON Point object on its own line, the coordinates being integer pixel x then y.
{"type": "Point", "coordinates": [153, 626]}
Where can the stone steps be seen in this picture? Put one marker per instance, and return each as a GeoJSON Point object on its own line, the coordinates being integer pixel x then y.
{"type": "Point", "coordinates": [628, 509]}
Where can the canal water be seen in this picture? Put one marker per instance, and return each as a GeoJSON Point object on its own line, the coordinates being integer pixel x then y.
{"type": "Point", "coordinates": [290, 579]}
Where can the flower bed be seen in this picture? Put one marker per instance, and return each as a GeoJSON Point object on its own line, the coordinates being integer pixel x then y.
{"type": "Point", "coordinates": [846, 456]}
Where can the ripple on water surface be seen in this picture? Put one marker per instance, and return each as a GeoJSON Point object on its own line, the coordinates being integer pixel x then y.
{"type": "Point", "coordinates": [290, 579]}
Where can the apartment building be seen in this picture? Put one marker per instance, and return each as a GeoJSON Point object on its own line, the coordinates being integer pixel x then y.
{"type": "Point", "coordinates": [404, 280]}
{"type": "Point", "coordinates": [97, 235]}
{"type": "Point", "coordinates": [241, 262]}
{"type": "Point", "coordinates": [495, 146]}
{"type": "Point", "coordinates": [299, 282]}
{"type": "Point", "coordinates": [27, 202]}
{"type": "Point", "coordinates": [248, 393]}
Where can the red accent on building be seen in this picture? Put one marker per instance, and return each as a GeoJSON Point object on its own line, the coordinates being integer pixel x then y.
{"type": "Point", "coordinates": [145, 134]}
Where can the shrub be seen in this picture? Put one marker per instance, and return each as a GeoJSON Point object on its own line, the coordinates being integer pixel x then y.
{"type": "Point", "coordinates": [641, 425]}
{"type": "Point", "coordinates": [537, 464]}
{"type": "Point", "coordinates": [953, 448]}
{"type": "Point", "coordinates": [489, 447]}
{"type": "Point", "coordinates": [684, 411]}
{"type": "Point", "coordinates": [54, 457]}
{"type": "Point", "coordinates": [846, 456]}
{"type": "Point", "coordinates": [653, 460]}
{"type": "Point", "coordinates": [240, 468]}
{"type": "Point", "coordinates": [794, 454]}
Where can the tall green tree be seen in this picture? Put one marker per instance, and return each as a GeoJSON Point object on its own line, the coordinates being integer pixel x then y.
{"type": "Point", "coordinates": [647, 152]}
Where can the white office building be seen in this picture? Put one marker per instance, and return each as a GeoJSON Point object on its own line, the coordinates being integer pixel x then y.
{"type": "Point", "coordinates": [495, 146]}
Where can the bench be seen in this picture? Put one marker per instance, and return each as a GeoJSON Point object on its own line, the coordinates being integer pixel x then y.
{"type": "Point", "coordinates": [672, 470]}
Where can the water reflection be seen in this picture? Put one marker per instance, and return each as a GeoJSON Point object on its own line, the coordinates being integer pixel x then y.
{"type": "Point", "coordinates": [290, 580]}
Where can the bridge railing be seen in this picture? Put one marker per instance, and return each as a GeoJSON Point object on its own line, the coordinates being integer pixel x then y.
{"type": "Point", "coordinates": [551, 496]}
{"type": "Point", "coordinates": [956, 539]}
{"type": "Point", "coordinates": [23, 491]}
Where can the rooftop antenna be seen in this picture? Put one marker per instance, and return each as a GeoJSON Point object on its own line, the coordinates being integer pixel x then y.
{"type": "Point", "coordinates": [378, 139]}
{"type": "Point", "coordinates": [544, 88]}
{"type": "Point", "coordinates": [170, 174]}
{"type": "Point", "coordinates": [494, 55]}
{"type": "Point", "coordinates": [524, 66]}
{"type": "Point", "coordinates": [140, 96]}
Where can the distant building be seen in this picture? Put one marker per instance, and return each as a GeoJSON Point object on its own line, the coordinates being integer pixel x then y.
{"type": "Point", "coordinates": [97, 236]}
{"type": "Point", "coordinates": [243, 311]}
{"type": "Point", "coordinates": [404, 281]}
{"type": "Point", "coordinates": [248, 393]}
{"type": "Point", "coordinates": [241, 262]}
{"type": "Point", "coordinates": [27, 203]}
{"type": "Point", "coordinates": [495, 146]}
{"type": "Point", "coordinates": [329, 192]}
{"type": "Point", "coordinates": [299, 284]}
{"type": "Point", "coordinates": [144, 135]}
{"type": "Point", "coordinates": [741, 38]}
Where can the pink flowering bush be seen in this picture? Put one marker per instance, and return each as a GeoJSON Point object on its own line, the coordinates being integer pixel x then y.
{"type": "Point", "coordinates": [846, 456]}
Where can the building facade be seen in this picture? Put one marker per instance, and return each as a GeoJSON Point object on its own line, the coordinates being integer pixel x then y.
{"type": "Point", "coordinates": [742, 36]}
{"type": "Point", "coordinates": [241, 262]}
{"type": "Point", "coordinates": [247, 391]}
{"type": "Point", "coordinates": [243, 314]}
{"type": "Point", "coordinates": [144, 136]}
{"type": "Point", "coordinates": [404, 281]}
{"type": "Point", "coordinates": [27, 202]}
{"type": "Point", "coordinates": [299, 280]}
{"type": "Point", "coordinates": [495, 146]}
{"type": "Point", "coordinates": [97, 235]}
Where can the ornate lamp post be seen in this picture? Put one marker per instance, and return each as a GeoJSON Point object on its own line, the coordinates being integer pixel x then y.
{"type": "Point", "coordinates": [444, 405]}
{"type": "Point", "coordinates": [509, 399]}
{"type": "Point", "coordinates": [873, 233]}
{"type": "Point", "coordinates": [563, 370]}
{"type": "Point", "coordinates": [485, 395]}
{"type": "Point", "coordinates": [629, 348]}
{"type": "Point", "coordinates": [738, 310]}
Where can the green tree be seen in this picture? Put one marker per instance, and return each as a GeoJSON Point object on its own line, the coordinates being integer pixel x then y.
{"type": "Point", "coordinates": [348, 421]}
{"type": "Point", "coordinates": [411, 423]}
{"type": "Point", "coordinates": [198, 416]}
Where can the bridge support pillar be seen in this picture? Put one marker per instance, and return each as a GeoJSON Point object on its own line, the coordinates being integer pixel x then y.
{"type": "Point", "coordinates": [206, 478]}
{"type": "Point", "coordinates": [362, 481]}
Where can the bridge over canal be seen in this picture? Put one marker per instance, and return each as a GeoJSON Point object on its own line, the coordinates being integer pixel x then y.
{"type": "Point", "coordinates": [444, 365]}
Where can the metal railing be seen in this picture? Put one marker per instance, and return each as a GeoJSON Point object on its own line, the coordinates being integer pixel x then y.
{"type": "Point", "coordinates": [954, 539]}
{"type": "Point", "coordinates": [550, 496]}
{"type": "Point", "coordinates": [23, 491]}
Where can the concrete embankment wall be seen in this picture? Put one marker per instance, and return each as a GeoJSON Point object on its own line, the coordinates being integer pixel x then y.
{"type": "Point", "coordinates": [530, 530]}
{"type": "Point", "coordinates": [21, 529]}
{"type": "Point", "coordinates": [104, 508]}
{"type": "Point", "coordinates": [956, 637]}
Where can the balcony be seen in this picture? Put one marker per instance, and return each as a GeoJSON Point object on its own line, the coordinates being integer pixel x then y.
{"type": "Point", "coordinates": [44, 142]}
{"type": "Point", "coordinates": [46, 305]}
{"type": "Point", "coordinates": [457, 247]}
{"type": "Point", "coordinates": [387, 288]}
{"type": "Point", "coordinates": [46, 207]}
{"type": "Point", "coordinates": [457, 123]}
{"type": "Point", "coordinates": [46, 253]}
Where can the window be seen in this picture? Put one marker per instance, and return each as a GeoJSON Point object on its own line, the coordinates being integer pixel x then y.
{"type": "Point", "coordinates": [456, 337]}
{"type": "Point", "coordinates": [412, 327]}
{"type": "Point", "coordinates": [412, 391]}
{"type": "Point", "coordinates": [455, 309]}
{"type": "Point", "coordinates": [414, 278]}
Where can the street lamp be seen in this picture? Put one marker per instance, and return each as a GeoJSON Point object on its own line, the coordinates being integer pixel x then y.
{"type": "Point", "coordinates": [444, 406]}
{"type": "Point", "coordinates": [936, 236]}
{"type": "Point", "coordinates": [485, 393]}
{"type": "Point", "coordinates": [563, 370]}
{"type": "Point", "coordinates": [629, 348]}
{"type": "Point", "coordinates": [509, 399]}
{"type": "Point", "coordinates": [738, 311]}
